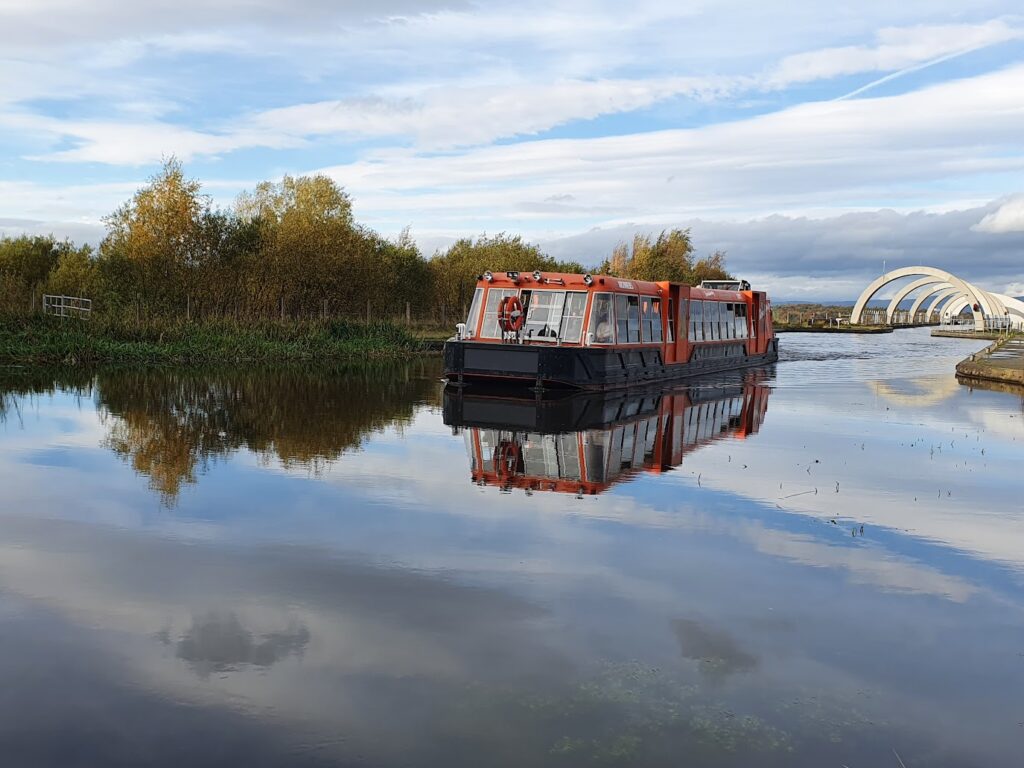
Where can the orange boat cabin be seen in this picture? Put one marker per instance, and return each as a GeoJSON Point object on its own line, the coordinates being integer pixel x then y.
{"type": "Point", "coordinates": [599, 332]}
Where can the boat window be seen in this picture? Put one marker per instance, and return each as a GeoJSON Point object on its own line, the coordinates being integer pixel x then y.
{"type": "Point", "coordinates": [572, 316]}
{"type": "Point", "coordinates": [602, 319]}
{"type": "Point", "coordinates": [569, 456]}
{"type": "Point", "coordinates": [615, 452]}
{"type": "Point", "coordinates": [653, 330]}
{"type": "Point", "coordinates": [741, 321]}
{"type": "Point", "coordinates": [553, 457]}
{"type": "Point", "coordinates": [634, 319]}
{"type": "Point", "coordinates": [490, 328]}
{"type": "Point", "coordinates": [696, 321]}
{"type": "Point", "coordinates": [729, 321]}
{"type": "Point", "coordinates": [621, 318]}
{"type": "Point", "coordinates": [671, 321]}
{"type": "Point", "coordinates": [711, 316]}
{"type": "Point", "coordinates": [474, 312]}
{"type": "Point", "coordinates": [595, 450]}
{"type": "Point", "coordinates": [544, 317]}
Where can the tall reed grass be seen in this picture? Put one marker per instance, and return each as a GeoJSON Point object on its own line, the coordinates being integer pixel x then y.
{"type": "Point", "coordinates": [39, 339]}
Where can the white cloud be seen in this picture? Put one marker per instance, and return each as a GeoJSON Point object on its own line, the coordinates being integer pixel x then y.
{"type": "Point", "coordinates": [55, 23]}
{"type": "Point", "coordinates": [1009, 217]}
{"type": "Point", "coordinates": [451, 78]}
{"type": "Point", "coordinates": [896, 49]}
{"type": "Point", "coordinates": [1014, 289]}
{"type": "Point", "coordinates": [825, 154]}
{"type": "Point", "coordinates": [450, 117]}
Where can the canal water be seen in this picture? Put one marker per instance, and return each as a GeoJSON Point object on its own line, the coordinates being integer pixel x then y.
{"type": "Point", "coordinates": [819, 563]}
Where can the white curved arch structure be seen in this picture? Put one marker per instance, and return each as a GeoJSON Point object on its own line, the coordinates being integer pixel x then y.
{"type": "Point", "coordinates": [957, 294]}
{"type": "Point", "coordinates": [905, 291]}
{"type": "Point", "coordinates": [942, 297]}
{"type": "Point", "coordinates": [935, 289]}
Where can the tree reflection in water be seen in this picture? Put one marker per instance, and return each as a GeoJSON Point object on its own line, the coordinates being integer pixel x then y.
{"type": "Point", "coordinates": [170, 424]}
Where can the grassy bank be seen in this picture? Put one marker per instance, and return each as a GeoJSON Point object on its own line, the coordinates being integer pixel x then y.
{"type": "Point", "coordinates": [788, 328]}
{"type": "Point", "coordinates": [37, 339]}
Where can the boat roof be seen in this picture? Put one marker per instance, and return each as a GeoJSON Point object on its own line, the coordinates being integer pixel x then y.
{"type": "Point", "coordinates": [575, 281]}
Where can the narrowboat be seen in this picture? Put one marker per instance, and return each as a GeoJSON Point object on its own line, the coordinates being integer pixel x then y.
{"type": "Point", "coordinates": [552, 330]}
{"type": "Point", "coordinates": [585, 442]}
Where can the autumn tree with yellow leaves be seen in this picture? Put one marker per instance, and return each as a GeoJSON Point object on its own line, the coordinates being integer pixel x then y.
{"type": "Point", "coordinates": [289, 249]}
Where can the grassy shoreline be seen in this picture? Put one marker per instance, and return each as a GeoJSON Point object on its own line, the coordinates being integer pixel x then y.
{"type": "Point", "coordinates": [48, 340]}
{"type": "Point", "coordinates": [788, 328]}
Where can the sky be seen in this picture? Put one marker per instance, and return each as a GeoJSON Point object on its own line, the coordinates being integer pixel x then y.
{"type": "Point", "coordinates": [816, 144]}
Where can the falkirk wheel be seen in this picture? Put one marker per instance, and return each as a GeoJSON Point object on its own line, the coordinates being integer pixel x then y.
{"type": "Point", "coordinates": [949, 295]}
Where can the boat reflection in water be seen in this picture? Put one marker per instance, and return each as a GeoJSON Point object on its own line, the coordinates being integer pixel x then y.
{"type": "Point", "coordinates": [585, 443]}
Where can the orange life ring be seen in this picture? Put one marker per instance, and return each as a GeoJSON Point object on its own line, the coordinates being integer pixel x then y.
{"type": "Point", "coordinates": [510, 314]}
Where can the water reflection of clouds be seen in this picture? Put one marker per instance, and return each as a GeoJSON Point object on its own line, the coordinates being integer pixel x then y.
{"type": "Point", "coordinates": [356, 628]}
{"type": "Point", "coordinates": [362, 628]}
{"type": "Point", "coordinates": [380, 638]}
{"type": "Point", "coordinates": [329, 598]}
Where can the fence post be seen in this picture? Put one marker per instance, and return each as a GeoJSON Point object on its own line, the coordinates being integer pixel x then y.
{"type": "Point", "coordinates": [408, 313]}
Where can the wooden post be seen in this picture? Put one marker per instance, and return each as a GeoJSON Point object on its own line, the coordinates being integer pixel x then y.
{"type": "Point", "coordinates": [408, 313]}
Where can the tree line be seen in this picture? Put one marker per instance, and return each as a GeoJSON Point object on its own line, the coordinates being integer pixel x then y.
{"type": "Point", "coordinates": [289, 249]}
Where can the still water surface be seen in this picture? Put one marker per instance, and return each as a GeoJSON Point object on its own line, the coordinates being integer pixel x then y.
{"type": "Point", "coordinates": [820, 563]}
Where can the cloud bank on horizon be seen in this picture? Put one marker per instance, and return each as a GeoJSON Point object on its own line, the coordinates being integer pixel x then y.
{"type": "Point", "coordinates": [813, 144]}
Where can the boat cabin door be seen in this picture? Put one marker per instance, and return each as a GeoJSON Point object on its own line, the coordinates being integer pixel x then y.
{"type": "Point", "coordinates": [759, 322]}
{"type": "Point", "coordinates": [675, 333]}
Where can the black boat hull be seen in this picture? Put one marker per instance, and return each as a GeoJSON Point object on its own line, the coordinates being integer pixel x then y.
{"type": "Point", "coordinates": [589, 368]}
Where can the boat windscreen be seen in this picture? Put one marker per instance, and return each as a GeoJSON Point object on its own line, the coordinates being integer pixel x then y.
{"type": "Point", "coordinates": [474, 311]}
{"type": "Point", "coordinates": [544, 316]}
